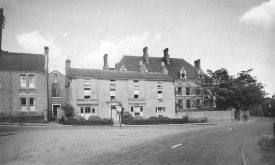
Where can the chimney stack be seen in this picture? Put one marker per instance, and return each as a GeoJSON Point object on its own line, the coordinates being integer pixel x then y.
{"type": "Point", "coordinates": [197, 64]}
{"type": "Point", "coordinates": [105, 58]}
{"type": "Point", "coordinates": [146, 55]}
{"type": "Point", "coordinates": [46, 56]}
{"type": "Point", "coordinates": [68, 66]}
{"type": "Point", "coordinates": [163, 68]}
{"type": "Point", "coordinates": [166, 56]}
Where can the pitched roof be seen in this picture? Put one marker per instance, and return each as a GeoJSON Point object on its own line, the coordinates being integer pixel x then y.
{"type": "Point", "coordinates": [131, 64]}
{"type": "Point", "coordinates": [114, 74]}
{"type": "Point", "coordinates": [22, 61]}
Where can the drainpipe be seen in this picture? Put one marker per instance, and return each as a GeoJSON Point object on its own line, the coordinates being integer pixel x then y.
{"type": "Point", "coordinates": [10, 96]}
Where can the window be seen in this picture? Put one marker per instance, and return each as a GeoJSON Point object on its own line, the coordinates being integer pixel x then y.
{"type": "Point", "coordinates": [32, 104]}
{"type": "Point", "coordinates": [159, 95]}
{"type": "Point", "coordinates": [160, 111]}
{"type": "Point", "coordinates": [159, 86]}
{"type": "Point", "coordinates": [87, 93]}
{"type": "Point", "coordinates": [23, 81]}
{"type": "Point", "coordinates": [112, 83]}
{"type": "Point", "coordinates": [55, 75]}
{"type": "Point", "coordinates": [188, 105]}
{"type": "Point", "coordinates": [137, 110]}
{"type": "Point", "coordinates": [136, 83]}
{"type": "Point", "coordinates": [87, 83]}
{"type": "Point", "coordinates": [198, 103]}
{"type": "Point", "coordinates": [187, 91]}
{"type": "Point", "coordinates": [93, 110]}
{"type": "Point", "coordinates": [179, 91]}
{"type": "Point", "coordinates": [23, 104]}
{"type": "Point", "coordinates": [136, 93]}
{"type": "Point", "coordinates": [31, 81]}
{"type": "Point", "coordinates": [87, 109]}
{"type": "Point", "coordinates": [180, 104]}
{"type": "Point", "coordinates": [183, 75]}
{"type": "Point", "coordinates": [81, 110]}
{"type": "Point", "coordinates": [113, 94]}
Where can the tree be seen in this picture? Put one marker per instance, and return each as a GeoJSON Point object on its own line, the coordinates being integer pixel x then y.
{"type": "Point", "coordinates": [227, 91]}
{"type": "Point", "coordinates": [68, 110]}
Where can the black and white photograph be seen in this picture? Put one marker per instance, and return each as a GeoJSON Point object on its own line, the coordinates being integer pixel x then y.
{"type": "Point", "coordinates": [137, 82]}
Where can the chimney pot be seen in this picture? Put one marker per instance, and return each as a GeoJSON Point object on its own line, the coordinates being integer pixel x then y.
{"type": "Point", "coordinates": [197, 64]}
{"type": "Point", "coordinates": [105, 58]}
{"type": "Point", "coordinates": [166, 56]}
{"type": "Point", "coordinates": [146, 55]}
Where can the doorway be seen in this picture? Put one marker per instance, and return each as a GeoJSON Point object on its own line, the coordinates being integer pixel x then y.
{"type": "Point", "coordinates": [54, 109]}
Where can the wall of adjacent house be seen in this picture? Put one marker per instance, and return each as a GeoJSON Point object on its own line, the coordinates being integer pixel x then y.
{"type": "Point", "coordinates": [5, 93]}
{"type": "Point", "coordinates": [212, 116]}
{"type": "Point", "coordinates": [61, 80]}
{"type": "Point", "coordinates": [39, 93]}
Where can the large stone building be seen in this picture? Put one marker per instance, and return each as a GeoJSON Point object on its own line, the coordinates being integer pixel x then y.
{"type": "Point", "coordinates": [186, 78]}
{"type": "Point", "coordinates": [144, 86]}
{"type": "Point", "coordinates": [23, 84]}
{"type": "Point", "coordinates": [101, 92]}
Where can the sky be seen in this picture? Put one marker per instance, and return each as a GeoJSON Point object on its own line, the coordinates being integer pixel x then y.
{"type": "Point", "coordinates": [232, 34]}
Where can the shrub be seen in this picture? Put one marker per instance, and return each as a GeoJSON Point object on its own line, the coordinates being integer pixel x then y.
{"type": "Point", "coordinates": [127, 115]}
{"type": "Point", "coordinates": [61, 120]}
{"type": "Point", "coordinates": [94, 118]}
{"type": "Point", "coordinates": [137, 117]}
{"type": "Point", "coordinates": [71, 121]}
{"type": "Point", "coordinates": [153, 118]}
{"type": "Point", "coordinates": [68, 110]}
{"type": "Point", "coordinates": [78, 118]}
{"type": "Point", "coordinates": [197, 120]}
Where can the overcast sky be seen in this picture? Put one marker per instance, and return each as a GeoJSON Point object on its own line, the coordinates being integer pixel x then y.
{"type": "Point", "coordinates": [232, 34]}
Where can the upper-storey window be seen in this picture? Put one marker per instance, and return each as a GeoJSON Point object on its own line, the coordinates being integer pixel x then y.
{"type": "Point", "coordinates": [23, 81]}
{"type": "Point", "coordinates": [187, 90]}
{"type": "Point", "coordinates": [87, 83]}
{"type": "Point", "coordinates": [179, 90]}
{"type": "Point", "coordinates": [112, 94]}
{"type": "Point", "coordinates": [136, 83]}
{"type": "Point", "coordinates": [136, 93]}
{"type": "Point", "coordinates": [159, 86]}
{"type": "Point", "coordinates": [31, 81]}
{"type": "Point", "coordinates": [159, 95]}
{"type": "Point", "coordinates": [87, 93]}
{"type": "Point", "coordinates": [55, 75]}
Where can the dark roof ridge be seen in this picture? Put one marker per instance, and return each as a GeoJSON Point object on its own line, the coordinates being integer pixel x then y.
{"type": "Point", "coordinates": [18, 53]}
{"type": "Point", "coordinates": [159, 73]}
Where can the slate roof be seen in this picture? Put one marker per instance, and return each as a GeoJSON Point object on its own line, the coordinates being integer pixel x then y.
{"type": "Point", "coordinates": [131, 64]}
{"type": "Point", "coordinates": [22, 61]}
{"type": "Point", "coordinates": [114, 74]}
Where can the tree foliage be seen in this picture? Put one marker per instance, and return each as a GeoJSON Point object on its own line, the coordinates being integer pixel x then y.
{"type": "Point", "coordinates": [224, 90]}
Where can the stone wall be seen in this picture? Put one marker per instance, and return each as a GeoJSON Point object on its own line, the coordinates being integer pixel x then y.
{"type": "Point", "coordinates": [212, 116]}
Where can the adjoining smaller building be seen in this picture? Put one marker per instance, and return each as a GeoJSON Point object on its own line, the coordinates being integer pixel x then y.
{"type": "Point", "coordinates": [56, 92]}
{"type": "Point", "coordinates": [23, 84]}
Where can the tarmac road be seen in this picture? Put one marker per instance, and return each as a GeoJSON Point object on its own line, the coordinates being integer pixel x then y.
{"type": "Point", "coordinates": [217, 145]}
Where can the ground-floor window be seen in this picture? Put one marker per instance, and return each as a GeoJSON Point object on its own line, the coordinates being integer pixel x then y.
{"type": "Point", "coordinates": [137, 110]}
{"type": "Point", "coordinates": [23, 104]}
{"type": "Point", "coordinates": [188, 104]}
{"type": "Point", "coordinates": [160, 111]}
{"type": "Point", "coordinates": [86, 112]}
{"type": "Point", "coordinates": [32, 104]}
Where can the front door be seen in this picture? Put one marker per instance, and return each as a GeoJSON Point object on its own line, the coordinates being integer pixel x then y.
{"type": "Point", "coordinates": [54, 113]}
{"type": "Point", "coordinates": [115, 115]}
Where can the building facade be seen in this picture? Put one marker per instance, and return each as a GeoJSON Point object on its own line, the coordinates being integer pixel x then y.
{"type": "Point", "coordinates": [56, 89]}
{"type": "Point", "coordinates": [23, 84]}
{"type": "Point", "coordinates": [186, 78]}
{"type": "Point", "coordinates": [102, 92]}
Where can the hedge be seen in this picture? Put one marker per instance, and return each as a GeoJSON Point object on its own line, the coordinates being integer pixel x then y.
{"type": "Point", "coordinates": [87, 122]}
{"type": "Point", "coordinates": [162, 121]}
{"type": "Point", "coordinates": [23, 119]}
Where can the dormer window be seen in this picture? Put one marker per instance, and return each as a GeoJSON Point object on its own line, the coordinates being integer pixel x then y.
{"type": "Point", "coordinates": [183, 73]}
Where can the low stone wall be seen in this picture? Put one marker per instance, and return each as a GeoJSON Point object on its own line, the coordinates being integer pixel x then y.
{"type": "Point", "coordinates": [212, 116]}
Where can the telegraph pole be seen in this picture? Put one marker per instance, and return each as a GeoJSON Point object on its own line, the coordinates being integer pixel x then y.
{"type": "Point", "coordinates": [2, 26]}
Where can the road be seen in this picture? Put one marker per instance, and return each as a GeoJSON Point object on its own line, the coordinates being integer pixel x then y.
{"type": "Point", "coordinates": [219, 145]}
{"type": "Point", "coordinates": [163, 144]}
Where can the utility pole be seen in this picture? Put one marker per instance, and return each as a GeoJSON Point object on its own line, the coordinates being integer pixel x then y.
{"type": "Point", "coordinates": [2, 26]}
